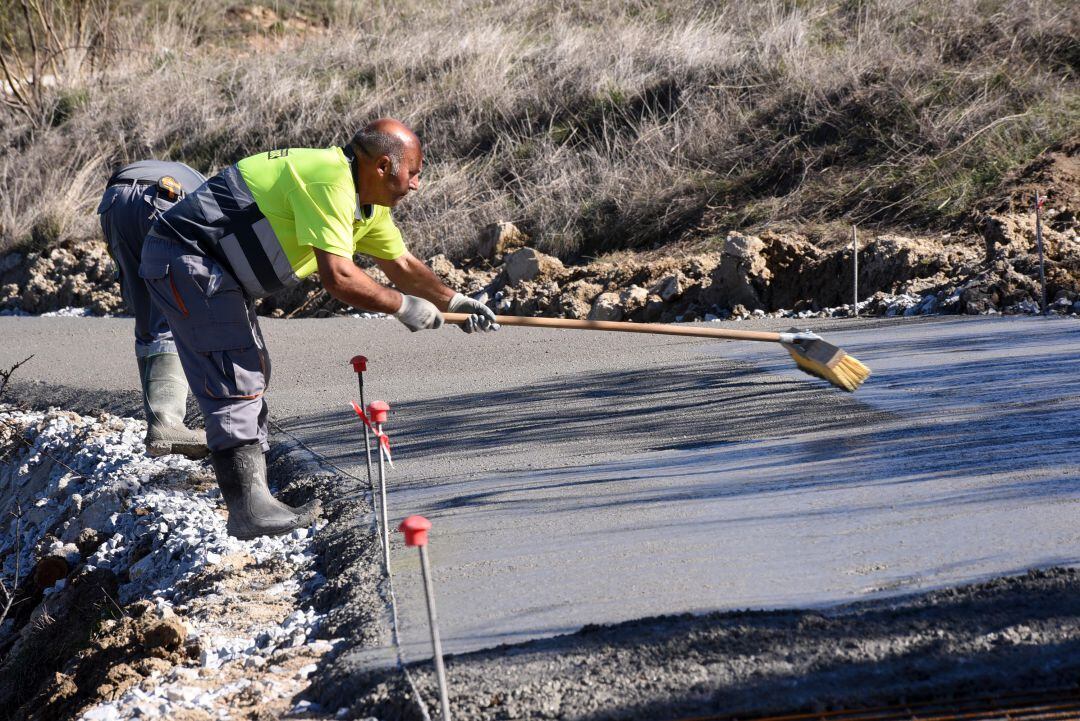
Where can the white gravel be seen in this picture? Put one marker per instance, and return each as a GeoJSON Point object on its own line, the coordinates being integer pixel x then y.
{"type": "Point", "coordinates": [71, 472]}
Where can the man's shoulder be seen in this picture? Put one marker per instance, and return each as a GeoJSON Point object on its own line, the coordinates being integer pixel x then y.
{"type": "Point", "coordinates": [309, 159]}
{"type": "Point", "coordinates": [292, 168]}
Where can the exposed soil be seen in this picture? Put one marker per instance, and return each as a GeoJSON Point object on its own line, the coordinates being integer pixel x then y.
{"type": "Point", "coordinates": [991, 267]}
{"type": "Point", "coordinates": [228, 635]}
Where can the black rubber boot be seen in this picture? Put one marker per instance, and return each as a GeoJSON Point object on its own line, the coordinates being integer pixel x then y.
{"type": "Point", "coordinates": [165, 392]}
{"type": "Point", "coordinates": [312, 508]}
{"type": "Point", "coordinates": [253, 512]}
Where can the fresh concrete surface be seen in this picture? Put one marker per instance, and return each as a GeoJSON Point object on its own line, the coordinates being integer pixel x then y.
{"type": "Point", "coordinates": [968, 472]}
{"type": "Point", "coordinates": [579, 478]}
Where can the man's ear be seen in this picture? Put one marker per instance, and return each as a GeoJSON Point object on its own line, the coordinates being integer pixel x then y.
{"type": "Point", "coordinates": [384, 166]}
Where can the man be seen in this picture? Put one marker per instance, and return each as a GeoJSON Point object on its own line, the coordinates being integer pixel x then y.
{"type": "Point", "coordinates": [134, 196]}
{"type": "Point", "coordinates": [262, 225]}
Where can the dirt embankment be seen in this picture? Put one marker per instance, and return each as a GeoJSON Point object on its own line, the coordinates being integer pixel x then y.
{"type": "Point", "coordinates": [129, 600]}
{"type": "Point", "coordinates": [991, 267]}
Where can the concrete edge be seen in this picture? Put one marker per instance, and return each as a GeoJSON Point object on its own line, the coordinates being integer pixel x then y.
{"type": "Point", "coordinates": [356, 597]}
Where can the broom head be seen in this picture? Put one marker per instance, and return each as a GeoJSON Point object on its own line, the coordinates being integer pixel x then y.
{"type": "Point", "coordinates": [824, 360]}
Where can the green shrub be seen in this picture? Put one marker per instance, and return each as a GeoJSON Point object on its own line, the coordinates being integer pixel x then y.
{"type": "Point", "coordinates": [67, 103]}
{"type": "Point", "coordinates": [45, 233]}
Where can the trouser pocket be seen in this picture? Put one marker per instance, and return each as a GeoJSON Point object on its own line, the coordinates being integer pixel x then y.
{"type": "Point", "coordinates": [225, 335]}
{"type": "Point", "coordinates": [162, 287]}
{"type": "Point", "coordinates": [213, 325]}
{"type": "Point", "coordinates": [233, 365]}
{"type": "Point", "coordinates": [238, 373]}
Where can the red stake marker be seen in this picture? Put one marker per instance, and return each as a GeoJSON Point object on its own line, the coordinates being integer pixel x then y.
{"type": "Point", "coordinates": [377, 412]}
{"type": "Point", "coordinates": [416, 530]}
{"type": "Point", "coordinates": [359, 364]}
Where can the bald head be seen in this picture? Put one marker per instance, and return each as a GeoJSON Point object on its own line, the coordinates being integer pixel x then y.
{"type": "Point", "coordinates": [388, 162]}
{"type": "Point", "coordinates": [388, 137]}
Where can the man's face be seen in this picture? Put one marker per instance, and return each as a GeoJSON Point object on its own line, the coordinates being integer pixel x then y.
{"type": "Point", "coordinates": [404, 178]}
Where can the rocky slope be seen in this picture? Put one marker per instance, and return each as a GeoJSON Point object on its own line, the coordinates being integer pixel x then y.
{"type": "Point", "coordinates": [993, 267]}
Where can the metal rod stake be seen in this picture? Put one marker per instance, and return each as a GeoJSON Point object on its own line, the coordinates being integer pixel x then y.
{"type": "Point", "coordinates": [359, 364]}
{"type": "Point", "coordinates": [436, 645]}
{"type": "Point", "coordinates": [385, 528]}
{"type": "Point", "coordinates": [855, 258]}
{"type": "Point", "coordinates": [367, 436]}
{"type": "Point", "coordinates": [1038, 237]}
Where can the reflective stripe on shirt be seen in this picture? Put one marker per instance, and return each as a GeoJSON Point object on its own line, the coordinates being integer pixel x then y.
{"type": "Point", "coordinates": [251, 246]}
{"type": "Point", "coordinates": [223, 220]}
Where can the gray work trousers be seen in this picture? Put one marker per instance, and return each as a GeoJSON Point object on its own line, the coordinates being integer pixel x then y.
{"type": "Point", "coordinates": [126, 213]}
{"type": "Point", "coordinates": [217, 337]}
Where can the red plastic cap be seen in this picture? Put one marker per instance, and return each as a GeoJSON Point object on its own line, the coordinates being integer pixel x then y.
{"type": "Point", "coordinates": [359, 363]}
{"type": "Point", "coordinates": [378, 411]}
{"type": "Point", "coordinates": [415, 529]}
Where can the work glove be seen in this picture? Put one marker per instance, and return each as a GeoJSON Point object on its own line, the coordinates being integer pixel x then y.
{"type": "Point", "coordinates": [481, 317]}
{"type": "Point", "coordinates": [418, 314]}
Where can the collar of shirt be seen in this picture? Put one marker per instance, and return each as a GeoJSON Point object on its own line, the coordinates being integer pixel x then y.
{"type": "Point", "coordinates": [363, 212]}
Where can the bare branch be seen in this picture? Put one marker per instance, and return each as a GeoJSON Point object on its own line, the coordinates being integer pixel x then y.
{"type": "Point", "coordinates": [47, 25]}
{"type": "Point", "coordinates": [5, 376]}
{"type": "Point", "coordinates": [20, 100]}
{"type": "Point", "coordinates": [34, 51]}
{"type": "Point", "coordinates": [67, 39]}
{"type": "Point", "coordinates": [18, 88]}
{"type": "Point", "coordinates": [9, 594]}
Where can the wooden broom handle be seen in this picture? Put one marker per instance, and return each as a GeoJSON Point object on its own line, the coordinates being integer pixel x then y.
{"type": "Point", "coordinates": [655, 328]}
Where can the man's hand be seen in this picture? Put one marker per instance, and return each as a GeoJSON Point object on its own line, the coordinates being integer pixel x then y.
{"type": "Point", "coordinates": [418, 314]}
{"type": "Point", "coordinates": [412, 276]}
{"type": "Point", "coordinates": [481, 317]}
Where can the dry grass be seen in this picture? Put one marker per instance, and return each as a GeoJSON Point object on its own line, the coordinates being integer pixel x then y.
{"type": "Point", "coordinates": [593, 125]}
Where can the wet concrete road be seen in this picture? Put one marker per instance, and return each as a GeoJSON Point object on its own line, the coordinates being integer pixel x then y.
{"type": "Point", "coordinates": [579, 478]}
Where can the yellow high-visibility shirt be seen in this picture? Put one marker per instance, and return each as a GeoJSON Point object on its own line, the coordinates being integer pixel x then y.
{"type": "Point", "coordinates": [309, 199]}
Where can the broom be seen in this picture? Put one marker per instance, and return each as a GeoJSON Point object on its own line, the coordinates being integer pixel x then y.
{"type": "Point", "coordinates": [810, 352]}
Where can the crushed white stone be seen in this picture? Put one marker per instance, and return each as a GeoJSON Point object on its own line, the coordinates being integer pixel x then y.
{"type": "Point", "coordinates": [169, 541]}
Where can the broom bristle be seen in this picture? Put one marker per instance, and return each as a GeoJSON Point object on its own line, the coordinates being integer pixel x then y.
{"type": "Point", "coordinates": [843, 371]}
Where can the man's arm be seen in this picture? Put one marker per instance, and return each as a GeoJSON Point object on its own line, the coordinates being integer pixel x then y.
{"type": "Point", "coordinates": [413, 276]}
{"type": "Point", "coordinates": [349, 284]}
{"type": "Point", "coordinates": [343, 280]}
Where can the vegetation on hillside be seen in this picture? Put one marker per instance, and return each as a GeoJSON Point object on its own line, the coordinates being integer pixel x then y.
{"type": "Point", "coordinates": [593, 125]}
